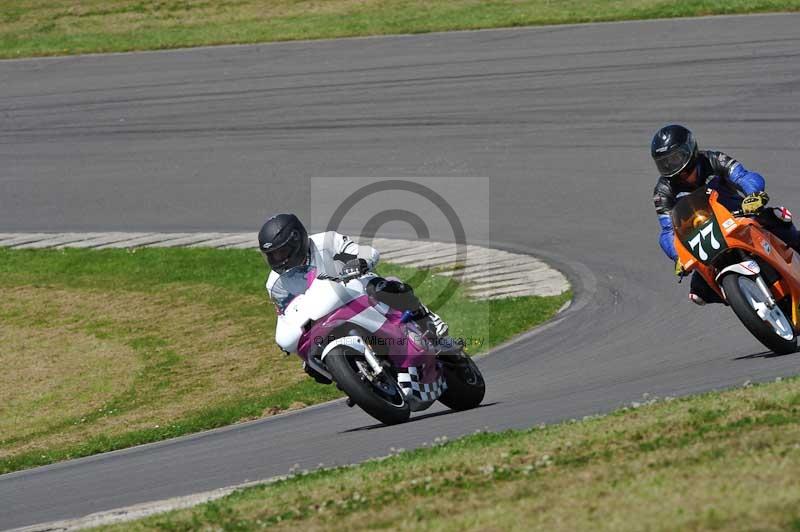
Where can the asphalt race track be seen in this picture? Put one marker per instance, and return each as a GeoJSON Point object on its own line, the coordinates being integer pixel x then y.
{"type": "Point", "coordinates": [559, 118]}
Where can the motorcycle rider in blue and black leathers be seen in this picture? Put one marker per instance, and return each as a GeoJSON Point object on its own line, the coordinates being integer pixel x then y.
{"type": "Point", "coordinates": [683, 169]}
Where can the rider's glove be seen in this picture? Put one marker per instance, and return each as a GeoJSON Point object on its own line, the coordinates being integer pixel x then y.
{"type": "Point", "coordinates": [679, 271]}
{"type": "Point", "coordinates": [754, 202]}
{"type": "Point", "coordinates": [355, 266]}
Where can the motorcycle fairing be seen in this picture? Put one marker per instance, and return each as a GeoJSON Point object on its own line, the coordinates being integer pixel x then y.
{"type": "Point", "coordinates": [387, 330]}
{"type": "Point", "coordinates": [747, 235]}
{"type": "Point", "coordinates": [411, 382]}
{"type": "Point", "coordinates": [358, 312]}
{"type": "Point", "coordinates": [707, 242]}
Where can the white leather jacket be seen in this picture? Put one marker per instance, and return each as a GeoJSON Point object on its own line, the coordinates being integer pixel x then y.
{"type": "Point", "coordinates": [327, 253]}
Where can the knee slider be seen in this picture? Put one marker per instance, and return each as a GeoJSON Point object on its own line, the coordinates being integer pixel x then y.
{"type": "Point", "coordinates": [697, 300]}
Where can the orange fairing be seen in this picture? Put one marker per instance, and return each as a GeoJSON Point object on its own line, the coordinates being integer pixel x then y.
{"type": "Point", "coordinates": [748, 235]}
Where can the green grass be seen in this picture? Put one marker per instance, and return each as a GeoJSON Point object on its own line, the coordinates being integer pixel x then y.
{"type": "Point", "coordinates": [58, 27]}
{"type": "Point", "coordinates": [118, 348]}
{"type": "Point", "coordinates": [718, 461]}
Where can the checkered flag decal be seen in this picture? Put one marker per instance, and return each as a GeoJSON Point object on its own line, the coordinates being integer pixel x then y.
{"type": "Point", "coordinates": [410, 384]}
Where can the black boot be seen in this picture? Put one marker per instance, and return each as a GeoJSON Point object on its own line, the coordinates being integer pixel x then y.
{"type": "Point", "coordinates": [316, 375]}
{"type": "Point", "coordinates": [450, 350]}
{"type": "Point", "coordinates": [430, 321]}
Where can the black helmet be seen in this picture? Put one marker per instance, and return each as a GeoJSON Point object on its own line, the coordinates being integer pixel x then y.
{"type": "Point", "coordinates": [674, 151]}
{"type": "Point", "coordinates": [284, 242]}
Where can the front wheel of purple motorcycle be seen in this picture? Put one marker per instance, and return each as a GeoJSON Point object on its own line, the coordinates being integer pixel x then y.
{"type": "Point", "coordinates": [378, 395]}
{"type": "Point", "coordinates": [465, 385]}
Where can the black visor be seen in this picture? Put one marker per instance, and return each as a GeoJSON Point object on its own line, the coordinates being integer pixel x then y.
{"type": "Point", "coordinates": [286, 255]}
{"type": "Point", "coordinates": [673, 162]}
{"type": "Point", "coordinates": [279, 255]}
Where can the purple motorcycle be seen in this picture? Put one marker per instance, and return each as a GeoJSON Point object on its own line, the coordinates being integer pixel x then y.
{"type": "Point", "coordinates": [381, 359]}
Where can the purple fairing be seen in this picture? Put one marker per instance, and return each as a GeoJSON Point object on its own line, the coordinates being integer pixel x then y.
{"type": "Point", "coordinates": [403, 351]}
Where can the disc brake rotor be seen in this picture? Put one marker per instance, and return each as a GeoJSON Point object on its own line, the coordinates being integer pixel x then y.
{"type": "Point", "coordinates": [380, 382]}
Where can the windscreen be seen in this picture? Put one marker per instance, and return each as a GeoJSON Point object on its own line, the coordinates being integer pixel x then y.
{"type": "Point", "coordinates": [690, 212]}
{"type": "Point", "coordinates": [290, 284]}
{"type": "Point", "coordinates": [696, 226]}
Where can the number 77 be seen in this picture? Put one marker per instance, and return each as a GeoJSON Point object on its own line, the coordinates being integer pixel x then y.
{"type": "Point", "coordinates": [706, 232]}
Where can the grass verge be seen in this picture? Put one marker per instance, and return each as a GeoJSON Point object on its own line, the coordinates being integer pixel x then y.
{"type": "Point", "coordinates": [719, 461]}
{"type": "Point", "coordinates": [59, 27]}
{"type": "Point", "coordinates": [102, 350]}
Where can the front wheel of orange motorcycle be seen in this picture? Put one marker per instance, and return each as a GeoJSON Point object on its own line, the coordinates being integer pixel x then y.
{"type": "Point", "coordinates": [765, 320]}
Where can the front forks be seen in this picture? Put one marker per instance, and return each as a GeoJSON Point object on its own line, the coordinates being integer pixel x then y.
{"type": "Point", "coordinates": [372, 360]}
{"type": "Point", "coordinates": [765, 290]}
{"type": "Point", "coordinates": [760, 283]}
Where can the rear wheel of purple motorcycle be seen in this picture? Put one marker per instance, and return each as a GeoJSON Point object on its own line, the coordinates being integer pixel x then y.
{"type": "Point", "coordinates": [465, 385]}
{"type": "Point", "coordinates": [381, 398]}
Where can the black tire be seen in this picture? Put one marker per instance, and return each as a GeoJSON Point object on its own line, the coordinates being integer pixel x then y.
{"type": "Point", "coordinates": [465, 385]}
{"type": "Point", "coordinates": [341, 363]}
{"type": "Point", "coordinates": [762, 330]}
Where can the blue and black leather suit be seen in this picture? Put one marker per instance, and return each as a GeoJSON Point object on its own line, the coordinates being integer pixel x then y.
{"type": "Point", "coordinates": [733, 181]}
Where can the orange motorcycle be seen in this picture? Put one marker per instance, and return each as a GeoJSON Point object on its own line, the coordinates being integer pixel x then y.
{"type": "Point", "coordinates": [754, 271]}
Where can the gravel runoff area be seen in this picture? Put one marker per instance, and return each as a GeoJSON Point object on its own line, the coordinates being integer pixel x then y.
{"type": "Point", "coordinates": [490, 273]}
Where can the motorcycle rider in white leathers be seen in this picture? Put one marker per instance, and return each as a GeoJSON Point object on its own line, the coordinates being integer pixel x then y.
{"type": "Point", "coordinates": [285, 244]}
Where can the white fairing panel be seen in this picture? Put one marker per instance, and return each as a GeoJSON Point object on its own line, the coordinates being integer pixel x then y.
{"type": "Point", "coordinates": [287, 336]}
{"type": "Point", "coordinates": [289, 328]}
{"type": "Point", "coordinates": [369, 318]}
{"type": "Point", "coordinates": [320, 299]}
{"type": "Point", "coordinates": [353, 342]}
{"type": "Point", "coordinates": [323, 297]}
{"type": "Point", "coordinates": [747, 268]}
